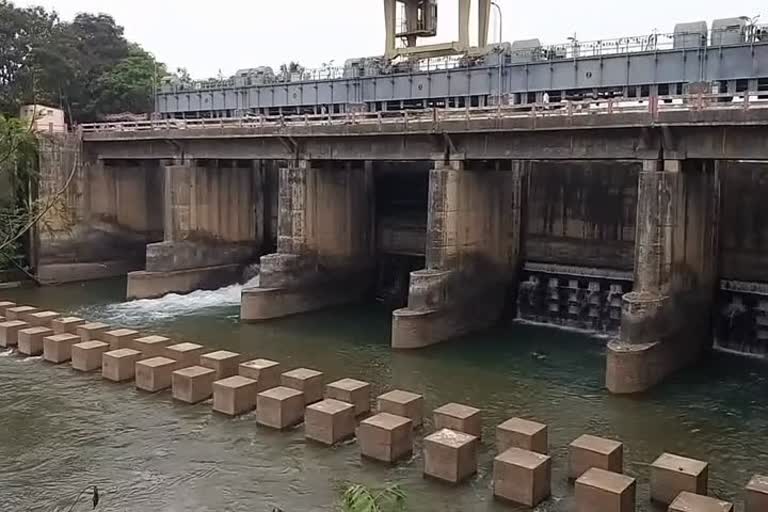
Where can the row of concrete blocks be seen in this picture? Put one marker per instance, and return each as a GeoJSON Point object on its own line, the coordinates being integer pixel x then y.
{"type": "Point", "coordinates": [521, 473]}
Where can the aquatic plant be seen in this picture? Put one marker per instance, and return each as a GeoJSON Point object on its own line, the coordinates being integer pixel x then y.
{"type": "Point", "coordinates": [360, 498]}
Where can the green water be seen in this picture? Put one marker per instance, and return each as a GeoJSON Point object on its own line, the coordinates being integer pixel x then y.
{"type": "Point", "coordinates": [61, 431]}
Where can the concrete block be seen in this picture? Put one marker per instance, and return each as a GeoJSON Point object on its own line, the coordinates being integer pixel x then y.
{"type": "Point", "coordinates": [120, 338]}
{"type": "Point", "coordinates": [151, 346]}
{"type": "Point", "coordinates": [690, 502]}
{"type": "Point", "coordinates": [155, 374]}
{"type": "Point", "coordinates": [459, 417]}
{"type": "Point", "coordinates": [450, 455]}
{"type": "Point", "coordinates": [86, 355]}
{"type": "Point", "coordinates": [57, 349]}
{"type": "Point", "coordinates": [386, 437]}
{"type": "Point", "coordinates": [402, 403]}
{"type": "Point", "coordinates": [235, 395]}
{"type": "Point", "coordinates": [329, 421]}
{"type": "Point", "coordinates": [598, 490]}
{"type": "Point", "coordinates": [119, 365]}
{"type": "Point", "coordinates": [522, 477]}
{"type": "Point", "coordinates": [9, 332]}
{"type": "Point", "coordinates": [280, 407]}
{"type": "Point", "coordinates": [224, 363]}
{"type": "Point", "coordinates": [594, 452]}
{"type": "Point", "coordinates": [523, 434]}
{"type": "Point", "coordinates": [91, 330]}
{"type": "Point", "coordinates": [757, 494]}
{"type": "Point", "coordinates": [185, 354]}
{"type": "Point", "coordinates": [193, 384]}
{"type": "Point", "coordinates": [672, 474]}
{"type": "Point", "coordinates": [5, 305]}
{"type": "Point", "coordinates": [309, 382]}
{"type": "Point", "coordinates": [43, 318]}
{"type": "Point", "coordinates": [31, 340]}
{"type": "Point", "coordinates": [353, 392]}
{"type": "Point", "coordinates": [20, 313]}
{"type": "Point", "coordinates": [66, 325]}
{"type": "Point", "coordinates": [265, 372]}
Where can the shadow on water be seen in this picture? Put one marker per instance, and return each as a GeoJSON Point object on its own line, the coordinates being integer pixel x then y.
{"type": "Point", "coordinates": [172, 457]}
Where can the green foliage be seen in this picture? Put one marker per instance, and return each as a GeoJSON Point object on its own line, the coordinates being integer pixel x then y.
{"type": "Point", "coordinates": [359, 498]}
{"type": "Point", "coordinates": [84, 67]}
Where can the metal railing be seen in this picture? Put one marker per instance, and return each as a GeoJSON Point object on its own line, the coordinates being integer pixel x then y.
{"type": "Point", "coordinates": [434, 117]}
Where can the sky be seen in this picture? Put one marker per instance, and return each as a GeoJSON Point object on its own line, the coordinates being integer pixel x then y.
{"type": "Point", "coordinates": [209, 37]}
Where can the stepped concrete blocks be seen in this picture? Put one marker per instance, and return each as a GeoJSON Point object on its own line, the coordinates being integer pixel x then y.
{"type": "Point", "coordinates": [87, 355]}
{"type": "Point", "coordinates": [672, 474]}
{"type": "Point", "coordinates": [522, 477]}
{"type": "Point", "coordinates": [120, 365]}
{"type": "Point", "coordinates": [265, 372]}
{"type": "Point", "coordinates": [57, 349]}
{"type": "Point", "coordinates": [386, 437]}
{"type": "Point", "coordinates": [402, 403]}
{"type": "Point", "coordinates": [757, 494]}
{"type": "Point", "coordinates": [594, 452]}
{"type": "Point", "coordinates": [20, 313]}
{"type": "Point", "coordinates": [450, 455]}
{"type": "Point", "coordinates": [235, 395]}
{"type": "Point", "coordinates": [280, 407]}
{"type": "Point", "coordinates": [9, 332]}
{"type": "Point", "coordinates": [690, 502]}
{"type": "Point", "coordinates": [155, 374]}
{"type": "Point", "coordinates": [459, 417]}
{"type": "Point", "coordinates": [151, 346]}
{"type": "Point", "coordinates": [5, 305]}
{"type": "Point", "coordinates": [598, 490]}
{"type": "Point", "coordinates": [193, 385]}
{"type": "Point", "coordinates": [185, 354]}
{"type": "Point", "coordinates": [31, 340]}
{"type": "Point", "coordinates": [309, 382]}
{"type": "Point", "coordinates": [223, 362]}
{"type": "Point", "coordinates": [66, 325]}
{"type": "Point", "coordinates": [43, 318]}
{"type": "Point", "coordinates": [330, 421]}
{"type": "Point", "coordinates": [91, 330]}
{"type": "Point", "coordinates": [120, 338]}
{"type": "Point", "coordinates": [523, 434]}
{"type": "Point", "coordinates": [355, 392]}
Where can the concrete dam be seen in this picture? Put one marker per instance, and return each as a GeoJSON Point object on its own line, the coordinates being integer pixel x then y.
{"type": "Point", "coordinates": [642, 223]}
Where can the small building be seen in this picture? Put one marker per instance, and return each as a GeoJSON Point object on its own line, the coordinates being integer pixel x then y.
{"type": "Point", "coordinates": [45, 119]}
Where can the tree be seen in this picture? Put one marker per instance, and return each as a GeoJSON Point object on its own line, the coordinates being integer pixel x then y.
{"type": "Point", "coordinates": [128, 86]}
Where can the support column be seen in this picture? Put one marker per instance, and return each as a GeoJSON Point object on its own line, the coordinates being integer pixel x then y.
{"type": "Point", "coordinates": [325, 243]}
{"type": "Point", "coordinates": [213, 225]}
{"type": "Point", "coordinates": [472, 257]}
{"type": "Point", "coordinates": [666, 320]}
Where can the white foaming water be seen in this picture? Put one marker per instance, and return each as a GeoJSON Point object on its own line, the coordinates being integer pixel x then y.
{"type": "Point", "coordinates": [174, 305]}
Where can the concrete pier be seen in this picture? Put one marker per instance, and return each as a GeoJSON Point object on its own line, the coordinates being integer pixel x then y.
{"type": "Point", "coordinates": [324, 244]}
{"type": "Point", "coordinates": [213, 224]}
{"type": "Point", "coordinates": [472, 253]}
{"type": "Point", "coordinates": [666, 319]}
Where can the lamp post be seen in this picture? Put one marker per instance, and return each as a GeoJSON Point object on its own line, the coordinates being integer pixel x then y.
{"type": "Point", "coordinates": [501, 47]}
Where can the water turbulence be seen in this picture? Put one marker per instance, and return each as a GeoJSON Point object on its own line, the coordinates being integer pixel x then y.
{"type": "Point", "coordinates": [169, 306]}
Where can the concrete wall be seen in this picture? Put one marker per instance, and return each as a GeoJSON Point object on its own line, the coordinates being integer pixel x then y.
{"type": "Point", "coordinates": [106, 215]}
{"type": "Point", "coordinates": [472, 254]}
{"type": "Point", "coordinates": [582, 213]}
{"type": "Point", "coordinates": [667, 319]}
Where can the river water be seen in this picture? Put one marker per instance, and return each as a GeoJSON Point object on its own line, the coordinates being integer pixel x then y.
{"type": "Point", "coordinates": [61, 431]}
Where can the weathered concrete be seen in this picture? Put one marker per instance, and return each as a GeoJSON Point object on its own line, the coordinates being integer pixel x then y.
{"type": "Point", "coordinates": [689, 502]}
{"type": "Point", "coordinates": [329, 421]}
{"type": "Point", "coordinates": [106, 216]}
{"type": "Point", "coordinates": [309, 382]}
{"type": "Point", "coordinates": [473, 253]}
{"type": "Point", "coordinates": [57, 349]}
{"type": "Point", "coordinates": [386, 437]}
{"type": "Point", "coordinates": [588, 452]}
{"type": "Point", "coordinates": [450, 456]}
{"type": "Point", "coordinates": [87, 355]}
{"type": "Point", "coordinates": [352, 391]}
{"type": "Point", "coordinates": [154, 374]}
{"type": "Point", "coordinates": [460, 418]}
{"type": "Point", "coordinates": [120, 365]}
{"type": "Point", "coordinates": [757, 494]}
{"type": "Point", "coordinates": [522, 477]}
{"type": "Point", "coordinates": [193, 385]}
{"type": "Point", "coordinates": [235, 395]}
{"type": "Point", "coordinates": [280, 408]}
{"type": "Point", "coordinates": [523, 434]}
{"type": "Point", "coordinates": [672, 474]}
{"type": "Point", "coordinates": [31, 340]}
{"type": "Point", "coordinates": [223, 362]}
{"type": "Point", "coordinates": [666, 320]}
{"type": "Point", "coordinates": [598, 490]}
{"type": "Point", "coordinates": [9, 332]}
{"type": "Point", "coordinates": [402, 403]}
{"type": "Point", "coordinates": [325, 241]}
{"type": "Point", "coordinates": [265, 372]}
{"type": "Point", "coordinates": [213, 223]}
